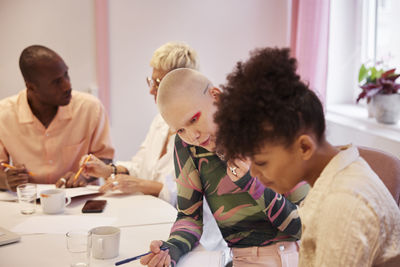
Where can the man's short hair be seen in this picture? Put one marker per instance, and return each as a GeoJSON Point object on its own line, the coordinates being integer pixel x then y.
{"type": "Point", "coordinates": [30, 56]}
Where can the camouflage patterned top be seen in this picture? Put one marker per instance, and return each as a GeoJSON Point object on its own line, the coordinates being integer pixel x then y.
{"type": "Point", "coordinates": [247, 213]}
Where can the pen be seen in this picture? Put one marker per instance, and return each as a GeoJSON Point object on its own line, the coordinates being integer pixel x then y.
{"type": "Point", "coordinates": [81, 168]}
{"type": "Point", "coordinates": [13, 167]}
{"type": "Point", "coordinates": [135, 258]}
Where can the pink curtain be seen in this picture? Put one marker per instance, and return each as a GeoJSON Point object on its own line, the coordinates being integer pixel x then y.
{"type": "Point", "coordinates": [309, 42]}
{"type": "Point", "coordinates": [102, 52]}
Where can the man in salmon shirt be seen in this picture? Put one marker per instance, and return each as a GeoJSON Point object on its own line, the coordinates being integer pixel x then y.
{"type": "Point", "coordinates": [47, 127]}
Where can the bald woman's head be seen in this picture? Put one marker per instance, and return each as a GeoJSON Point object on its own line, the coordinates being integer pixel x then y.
{"type": "Point", "coordinates": [186, 102]}
{"type": "Point", "coordinates": [183, 83]}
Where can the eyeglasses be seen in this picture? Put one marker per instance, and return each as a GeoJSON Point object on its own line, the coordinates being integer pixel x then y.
{"type": "Point", "coordinates": [151, 82]}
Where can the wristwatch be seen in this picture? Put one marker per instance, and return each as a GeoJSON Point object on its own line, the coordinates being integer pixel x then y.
{"type": "Point", "coordinates": [114, 171]}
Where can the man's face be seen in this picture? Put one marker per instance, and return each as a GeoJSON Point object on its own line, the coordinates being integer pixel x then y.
{"type": "Point", "coordinates": [52, 85]}
{"type": "Point", "coordinates": [278, 167]}
{"type": "Point", "coordinates": [193, 121]}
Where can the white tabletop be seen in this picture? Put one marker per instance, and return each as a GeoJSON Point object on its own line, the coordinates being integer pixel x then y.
{"type": "Point", "coordinates": [141, 219]}
{"type": "Point", "coordinates": [127, 209]}
{"type": "Point", "coordinates": [50, 249]}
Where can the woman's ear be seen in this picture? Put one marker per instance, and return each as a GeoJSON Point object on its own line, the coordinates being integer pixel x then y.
{"type": "Point", "coordinates": [214, 93]}
{"type": "Point", "coordinates": [306, 146]}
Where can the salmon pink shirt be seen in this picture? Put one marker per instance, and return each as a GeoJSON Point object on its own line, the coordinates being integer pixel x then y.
{"type": "Point", "coordinates": [78, 128]}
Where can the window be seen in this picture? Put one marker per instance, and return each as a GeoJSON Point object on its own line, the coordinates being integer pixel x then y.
{"type": "Point", "coordinates": [380, 41]}
{"type": "Point", "coordinates": [360, 32]}
{"type": "Point", "coordinates": [387, 35]}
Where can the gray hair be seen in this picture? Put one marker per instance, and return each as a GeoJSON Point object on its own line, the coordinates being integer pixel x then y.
{"type": "Point", "coordinates": [174, 55]}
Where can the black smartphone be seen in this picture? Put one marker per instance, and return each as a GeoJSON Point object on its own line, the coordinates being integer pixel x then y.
{"type": "Point", "coordinates": [94, 206]}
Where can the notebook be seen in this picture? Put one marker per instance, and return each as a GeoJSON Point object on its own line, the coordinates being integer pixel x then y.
{"type": "Point", "coordinates": [7, 237]}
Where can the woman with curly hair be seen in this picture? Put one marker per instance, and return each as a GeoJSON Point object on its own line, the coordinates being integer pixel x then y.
{"type": "Point", "coordinates": [268, 114]}
{"type": "Point", "coordinates": [260, 226]}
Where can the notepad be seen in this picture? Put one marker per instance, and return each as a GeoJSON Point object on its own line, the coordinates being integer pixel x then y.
{"type": "Point", "coordinates": [69, 192]}
{"type": "Point", "coordinates": [7, 237]}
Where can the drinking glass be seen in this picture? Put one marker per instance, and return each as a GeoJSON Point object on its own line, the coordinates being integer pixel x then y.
{"type": "Point", "coordinates": [79, 245]}
{"type": "Point", "coordinates": [27, 198]}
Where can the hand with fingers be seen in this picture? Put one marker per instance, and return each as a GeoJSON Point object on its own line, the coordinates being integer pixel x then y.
{"type": "Point", "coordinates": [16, 176]}
{"type": "Point", "coordinates": [157, 257]}
{"type": "Point", "coordinates": [237, 168]}
{"type": "Point", "coordinates": [67, 180]}
{"type": "Point", "coordinates": [94, 167]}
{"type": "Point", "coordinates": [123, 182]}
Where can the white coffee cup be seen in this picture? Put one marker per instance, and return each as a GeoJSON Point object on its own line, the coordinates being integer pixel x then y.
{"type": "Point", "coordinates": [105, 242]}
{"type": "Point", "coordinates": [54, 201]}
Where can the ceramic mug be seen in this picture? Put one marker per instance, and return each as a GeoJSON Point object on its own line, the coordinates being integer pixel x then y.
{"type": "Point", "coordinates": [54, 201]}
{"type": "Point", "coordinates": [105, 242]}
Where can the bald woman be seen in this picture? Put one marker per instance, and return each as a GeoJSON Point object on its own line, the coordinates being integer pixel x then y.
{"type": "Point", "coordinates": [260, 226]}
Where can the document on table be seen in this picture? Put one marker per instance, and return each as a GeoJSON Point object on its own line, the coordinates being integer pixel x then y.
{"type": "Point", "coordinates": [8, 196]}
{"type": "Point", "coordinates": [61, 224]}
{"type": "Point", "coordinates": [69, 192]}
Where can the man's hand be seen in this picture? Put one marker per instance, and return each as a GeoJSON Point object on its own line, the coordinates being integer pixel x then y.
{"type": "Point", "coordinates": [67, 180]}
{"type": "Point", "coordinates": [16, 176]}
{"type": "Point", "coordinates": [158, 257]}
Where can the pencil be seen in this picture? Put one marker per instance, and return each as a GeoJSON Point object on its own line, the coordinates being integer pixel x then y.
{"type": "Point", "coordinates": [136, 257]}
{"type": "Point", "coordinates": [81, 168]}
{"type": "Point", "coordinates": [13, 167]}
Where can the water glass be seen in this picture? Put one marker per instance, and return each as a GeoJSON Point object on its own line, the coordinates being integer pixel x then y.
{"type": "Point", "coordinates": [27, 198]}
{"type": "Point", "coordinates": [79, 245]}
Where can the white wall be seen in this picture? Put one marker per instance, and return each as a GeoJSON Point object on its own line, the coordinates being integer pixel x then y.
{"type": "Point", "coordinates": [222, 32]}
{"type": "Point", "coordinates": [344, 51]}
{"type": "Point", "coordinates": [64, 26]}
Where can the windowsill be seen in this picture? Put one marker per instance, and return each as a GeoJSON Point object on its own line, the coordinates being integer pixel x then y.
{"type": "Point", "coordinates": [355, 116]}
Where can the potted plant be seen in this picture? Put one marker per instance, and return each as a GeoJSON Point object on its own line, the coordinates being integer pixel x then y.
{"type": "Point", "coordinates": [380, 89]}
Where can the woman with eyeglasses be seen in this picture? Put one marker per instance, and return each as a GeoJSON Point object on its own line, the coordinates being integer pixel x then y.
{"type": "Point", "coordinates": [151, 170]}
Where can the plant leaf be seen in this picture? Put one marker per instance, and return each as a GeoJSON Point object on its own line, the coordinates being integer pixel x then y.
{"type": "Point", "coordinates": [372, 92]}
{"type": "Point", "coordinates": [363, 73]}
{"type": "Point", "coordinates": [388, 73]}
{"type": "Point", "coordinates": [379, 74]}
{"type": "Point", "coordinates": [361, 95]}
{"type": "Point", "coordinates": [393, 77]}
{"type": "Point", "coordinates": [373, 74]}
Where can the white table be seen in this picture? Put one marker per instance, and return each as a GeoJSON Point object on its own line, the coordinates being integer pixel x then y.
{"type": "Point", "coordinates": [141, 218]}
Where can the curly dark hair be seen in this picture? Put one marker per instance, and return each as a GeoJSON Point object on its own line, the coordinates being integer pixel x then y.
{"type": "Point", "coordinates": [264, 101]}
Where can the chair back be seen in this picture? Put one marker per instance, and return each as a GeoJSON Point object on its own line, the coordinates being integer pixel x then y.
{"type": "Point", "coordinates": [386, 166]}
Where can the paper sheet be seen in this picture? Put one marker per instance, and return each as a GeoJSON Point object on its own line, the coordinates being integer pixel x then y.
{"type": "Point", "coordinates": [8, 196]}
{"type": "Point", "coordinates": [70, 192]}
{"type": "Point", "coordinates": [61, 224]}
